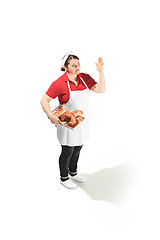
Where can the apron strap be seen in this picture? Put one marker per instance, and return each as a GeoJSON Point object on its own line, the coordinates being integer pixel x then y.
{"type": "Point", "coordinates": [84, 82]}
{"type": "Point", "coordinates": [69, 86]}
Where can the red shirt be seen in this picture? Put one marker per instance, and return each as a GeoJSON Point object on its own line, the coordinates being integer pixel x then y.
{"type": "Point", "coordinates": [59, 87]}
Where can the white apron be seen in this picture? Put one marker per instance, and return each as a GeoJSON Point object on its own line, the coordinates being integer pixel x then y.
{"type": "Point", "coordinates": [79, 100]}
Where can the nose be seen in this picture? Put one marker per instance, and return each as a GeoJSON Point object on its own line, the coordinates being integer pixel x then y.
{"type": "Point", "coordinates": [77, 69]}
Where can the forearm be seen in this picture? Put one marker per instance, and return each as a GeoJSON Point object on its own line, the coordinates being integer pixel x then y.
{"type": "Point", "coordinates": [46, 107]}
{"type": "Point", "coordinates": [101, 85]}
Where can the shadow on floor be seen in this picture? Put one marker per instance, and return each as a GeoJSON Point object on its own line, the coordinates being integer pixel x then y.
{"type": "Point", "coordinates": [110, 184]}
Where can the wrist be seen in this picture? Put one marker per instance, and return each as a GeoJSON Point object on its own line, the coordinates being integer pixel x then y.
{"type": "Point", "coordinates": [49, 115]}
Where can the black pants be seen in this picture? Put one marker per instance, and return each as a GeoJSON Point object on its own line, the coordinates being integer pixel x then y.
{"type": "Point", "coordinates": [68, 161]}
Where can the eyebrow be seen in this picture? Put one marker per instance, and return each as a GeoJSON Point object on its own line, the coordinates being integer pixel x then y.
{"type": "Point", "coordinates": [75, 63]}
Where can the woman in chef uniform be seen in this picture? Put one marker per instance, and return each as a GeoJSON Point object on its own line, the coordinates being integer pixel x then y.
{"type": "Point", "coordinates": [72, 89]}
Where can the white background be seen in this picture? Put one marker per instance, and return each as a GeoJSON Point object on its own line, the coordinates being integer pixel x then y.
{"type": "Point", "coordinates": [121, 160]}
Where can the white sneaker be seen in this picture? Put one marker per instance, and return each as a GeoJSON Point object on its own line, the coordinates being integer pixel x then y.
{"type": "Point", "coordinates": [78, 178]}
{"type": "Point", "coordinates": [68, 184]}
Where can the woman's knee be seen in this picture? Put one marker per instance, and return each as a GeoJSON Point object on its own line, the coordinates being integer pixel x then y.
{"type": "Point", "coordinates": [67, 151]}
{"type": "Point", "coordinates": [77, 149]}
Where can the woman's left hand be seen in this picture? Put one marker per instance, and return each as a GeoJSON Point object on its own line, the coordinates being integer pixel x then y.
{"type": "Point", "coordinates": [100, 64]}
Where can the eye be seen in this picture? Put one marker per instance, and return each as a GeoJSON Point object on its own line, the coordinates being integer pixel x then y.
{"type": "Point", "coordinates": [74, 65]}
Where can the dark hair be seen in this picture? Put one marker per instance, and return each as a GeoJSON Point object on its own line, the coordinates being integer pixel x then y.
{"type": "Point", "coordinates": [67, 61]}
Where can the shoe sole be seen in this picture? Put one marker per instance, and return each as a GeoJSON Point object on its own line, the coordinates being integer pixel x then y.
{"type": "Point", "coordinates": [68, 187]}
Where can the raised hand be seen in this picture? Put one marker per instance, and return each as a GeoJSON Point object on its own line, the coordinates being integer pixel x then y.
{"type": "Point", "coordinates": [100, 64]}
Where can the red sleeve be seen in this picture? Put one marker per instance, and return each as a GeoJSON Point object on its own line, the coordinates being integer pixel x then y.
{"type": "Point", "coordinates": [53, 90]}
{"type": "Point", "coordinates": [88, 80]}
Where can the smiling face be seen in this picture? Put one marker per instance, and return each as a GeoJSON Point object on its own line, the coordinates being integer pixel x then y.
{"type": "Point", "coordinates": [73, 66]}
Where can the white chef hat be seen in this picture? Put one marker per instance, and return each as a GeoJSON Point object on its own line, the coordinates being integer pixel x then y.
{"type": "Point", "coordinates": [66, 56]}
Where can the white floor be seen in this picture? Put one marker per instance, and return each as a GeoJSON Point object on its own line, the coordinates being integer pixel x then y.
{"type": "Point", "coordinates": [119, 200]}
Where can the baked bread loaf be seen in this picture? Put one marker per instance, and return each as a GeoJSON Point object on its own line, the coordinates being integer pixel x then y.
{"type": "Point", "coordinates": [59, 112]}
{"type": "Point", "coordinates": [77, 112]}
{"type": "Point", "coordinates": [69, 116]}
